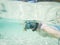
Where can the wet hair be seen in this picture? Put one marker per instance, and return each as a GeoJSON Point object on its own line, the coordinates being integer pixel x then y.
{"type": "Point", "coordinates": [31, 25]}
{"type": "Point", "coordinates": [36, 26]}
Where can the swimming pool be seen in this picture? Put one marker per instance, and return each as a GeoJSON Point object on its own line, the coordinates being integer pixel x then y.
{"type": "Point", "coordinates": [12, 30]}
{"type": "Point", "coordinates": [12, 33]}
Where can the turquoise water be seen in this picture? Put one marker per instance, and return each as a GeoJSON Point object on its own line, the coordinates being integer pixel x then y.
{"type": "Point", "coordinates": [12, 33]}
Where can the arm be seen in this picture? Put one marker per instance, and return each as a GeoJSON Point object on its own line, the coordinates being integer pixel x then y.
{"type": "Point", "coordinates": [51, 30]}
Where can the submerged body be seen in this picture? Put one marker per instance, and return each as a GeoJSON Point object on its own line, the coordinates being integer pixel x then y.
{"type": "Point", "coordinates": [37, 26]}
{"type": "Point", "coordinates": [53, 31]}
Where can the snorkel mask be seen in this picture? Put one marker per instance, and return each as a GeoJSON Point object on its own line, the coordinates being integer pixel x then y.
{"type": "Point", "coordinates": [31, 24]}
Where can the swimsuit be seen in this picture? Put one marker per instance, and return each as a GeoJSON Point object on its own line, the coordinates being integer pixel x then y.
{"type": "Point", "coordinates": [57, 27]}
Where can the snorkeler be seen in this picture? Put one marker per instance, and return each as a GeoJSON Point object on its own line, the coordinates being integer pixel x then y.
{"type": "Point", "coordinates": [34, 26]}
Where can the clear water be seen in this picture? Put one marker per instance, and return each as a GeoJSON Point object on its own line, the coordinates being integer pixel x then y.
{"type": "Point", "coordinates": [12, 30]}
{"type": "Point", "coordinates": [12, 33]}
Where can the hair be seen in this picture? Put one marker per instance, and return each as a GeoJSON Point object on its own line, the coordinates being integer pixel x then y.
{"type": "Point", "coordinates": [35, 28]}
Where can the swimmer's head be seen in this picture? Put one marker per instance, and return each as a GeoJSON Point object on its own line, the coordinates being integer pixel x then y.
{"type": "Point", "coordinates": [31, 25]}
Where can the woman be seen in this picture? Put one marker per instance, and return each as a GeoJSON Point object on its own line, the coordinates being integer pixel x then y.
{"type": "Point", "coordinates": [34, 26]}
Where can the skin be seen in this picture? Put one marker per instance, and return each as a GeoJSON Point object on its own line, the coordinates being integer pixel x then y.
{"type": "Point", "coordinates": [51, 30]}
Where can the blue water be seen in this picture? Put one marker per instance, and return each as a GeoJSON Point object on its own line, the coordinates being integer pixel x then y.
{"type": "Point", "coordinates": [12, 33]}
